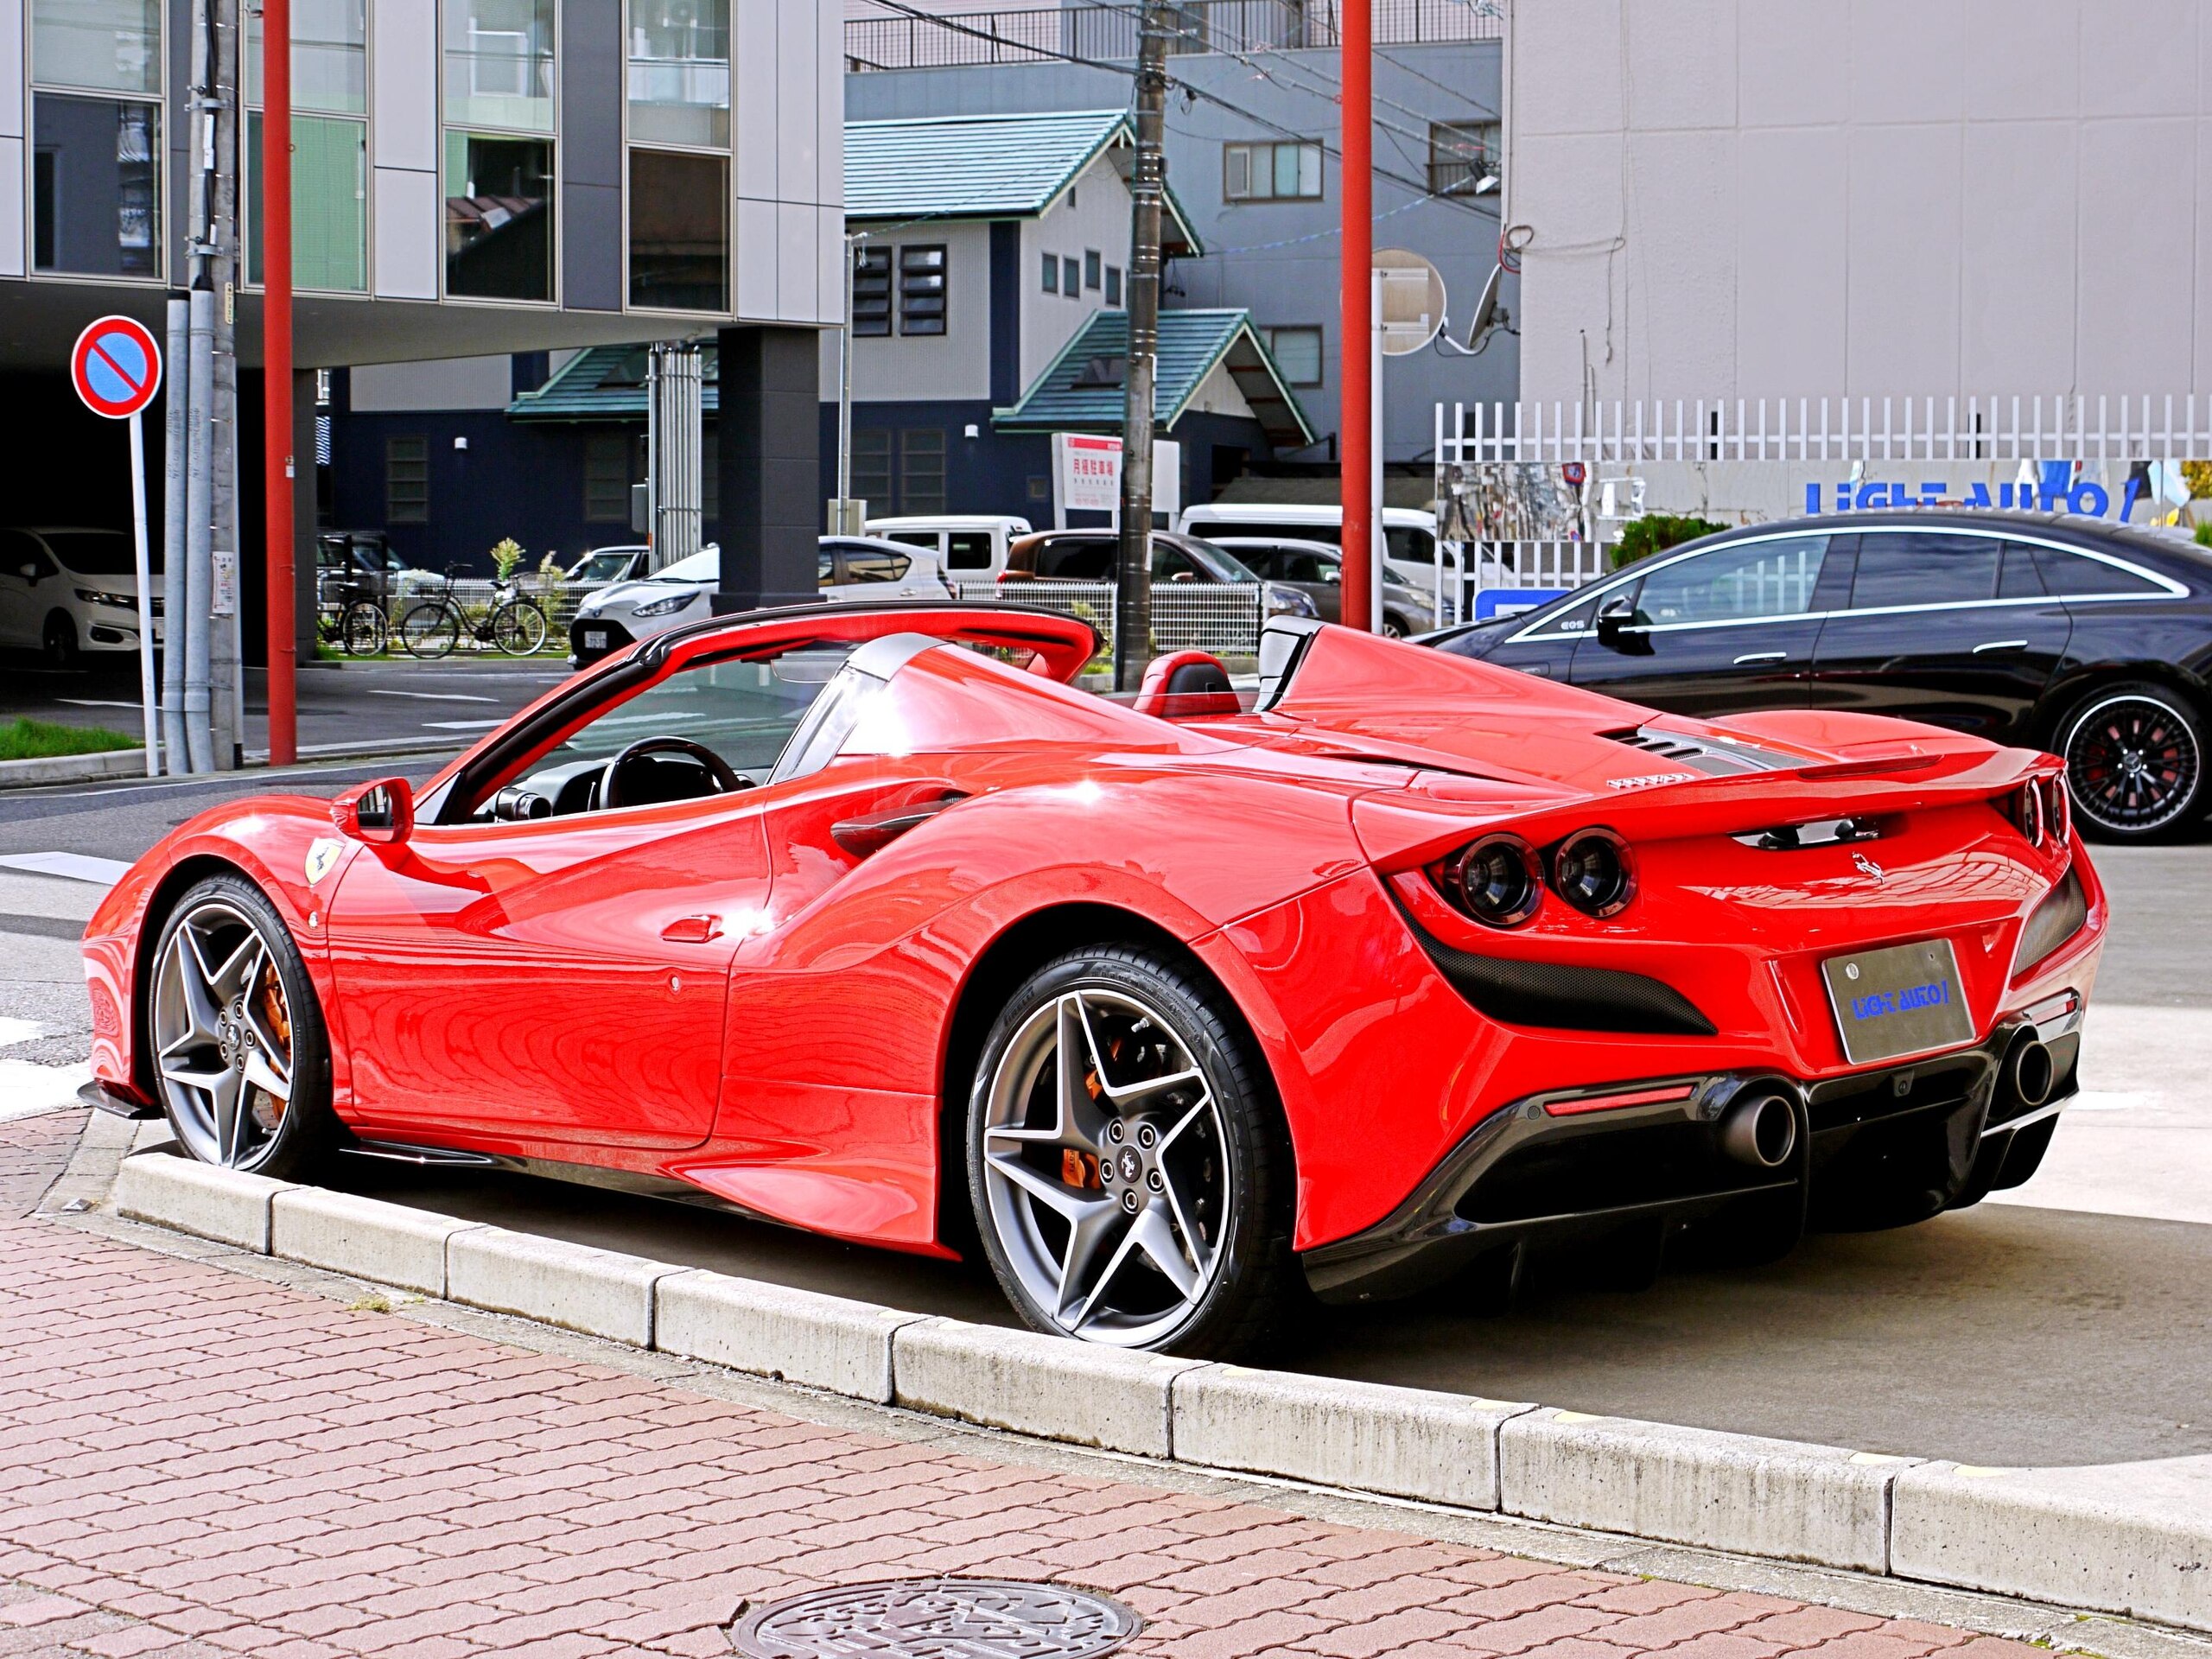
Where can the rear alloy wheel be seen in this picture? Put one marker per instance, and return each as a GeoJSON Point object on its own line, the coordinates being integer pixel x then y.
{"type": "Point", "coordinates": [2135, 762]}
{"type": "Point", "coordinates": [239, 1052]}
{"type": "Point", "coordinates": [1131, 1181]}
{"type": "Point", "coordinates": [1395, 626]}
{"type": "Point", "coordinates": [59, 641]}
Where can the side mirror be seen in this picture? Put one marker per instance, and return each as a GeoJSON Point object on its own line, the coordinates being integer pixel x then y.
{"type": "Point", "coordinates": [1333, 575]}
{"type": "Point", "coordinates": [384, 810]}
{"type": "Point", "coordinates": [28, 573]}
{"type": "Point", "coordinates": [1613, 617]}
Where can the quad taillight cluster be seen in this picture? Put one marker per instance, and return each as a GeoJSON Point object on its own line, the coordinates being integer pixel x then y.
{"type": "Point", "coordinates": [1501, 880]}
{"type": "Point", "coordinates": [2040, 810]}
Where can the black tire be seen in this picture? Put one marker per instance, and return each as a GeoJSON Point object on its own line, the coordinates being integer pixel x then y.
{"type": "Point", "coordinates": [429, 630]}
{"type": "Point", "coordinates": [1395, 626]}
{"type": "Point", "coordinates": [361, 630]}
{"type": "Point", "coordinates": [58, 641]}
{"type": "Point", "coordinates": [286, 1141]}
{"type": "Point", "coordinates": [1251, 1278]}
{"type": "Point", "coordinates": [519, 628]}
{"type": "Point", "coordinates": [2134, 756]}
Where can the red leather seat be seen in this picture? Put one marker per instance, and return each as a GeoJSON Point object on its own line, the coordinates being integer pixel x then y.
{"type": "Point", "coordinates": [1186, 685]}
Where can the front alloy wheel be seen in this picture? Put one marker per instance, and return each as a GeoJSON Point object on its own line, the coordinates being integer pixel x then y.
{"type": "Point", "coordinates": [1130, 1181]}
{"type": "Point", "coordinates": [2134, 763]}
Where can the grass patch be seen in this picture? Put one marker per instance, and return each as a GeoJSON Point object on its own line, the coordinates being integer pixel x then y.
{"type": "Point", "coordinates": [25, 739]}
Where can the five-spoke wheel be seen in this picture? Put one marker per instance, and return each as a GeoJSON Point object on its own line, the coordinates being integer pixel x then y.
{"type": "Point", "coordinates": [1128, 1171]}
{"type": "Point", "coordinates": [237, 1040]}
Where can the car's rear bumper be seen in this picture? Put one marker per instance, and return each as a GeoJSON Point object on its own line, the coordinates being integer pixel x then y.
{"type": "Point", "coordinates": [1941, 1130]}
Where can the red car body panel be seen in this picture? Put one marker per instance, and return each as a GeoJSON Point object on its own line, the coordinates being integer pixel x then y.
{"type": "Point", "coordinates": [716, 991]}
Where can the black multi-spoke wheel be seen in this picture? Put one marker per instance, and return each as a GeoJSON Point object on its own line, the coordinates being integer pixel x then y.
{"type": "Point", "coordinates": [1130, 1178]}
{"type": "Point", "coordinates": [361, 629]}
{"type": "Point", "coordinates": [2135, 762]}
{"type": "Point", "coordinates": [239, 1052]}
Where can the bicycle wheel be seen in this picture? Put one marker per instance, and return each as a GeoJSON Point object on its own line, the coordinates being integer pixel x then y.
{"type": "Point", "coordinates": [362, 629]}
{"type": "Point", "coordinates": [519, 627]}
{"type": "Point", "coordinates": [430, 629]}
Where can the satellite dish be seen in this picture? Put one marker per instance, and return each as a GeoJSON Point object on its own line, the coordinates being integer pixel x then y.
{"type": "Point", "coordinates": [1413, 300]}
{"type": "Point", "coordinates": [1486, 307]}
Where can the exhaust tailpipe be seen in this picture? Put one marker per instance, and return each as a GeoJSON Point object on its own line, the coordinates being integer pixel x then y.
{"type": "Point", "coordinates": [1760, 1129]}
{"type": "Point", "coordinates": [2029, 1072]}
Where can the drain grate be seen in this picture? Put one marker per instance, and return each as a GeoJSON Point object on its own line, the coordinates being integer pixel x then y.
{"type": "Point", "coordinates": [936, 1618]}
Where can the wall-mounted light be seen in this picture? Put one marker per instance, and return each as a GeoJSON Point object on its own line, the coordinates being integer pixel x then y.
{"type": "Point", "coordinates": [461, 443]}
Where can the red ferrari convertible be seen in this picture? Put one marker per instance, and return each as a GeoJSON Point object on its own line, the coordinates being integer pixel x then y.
{"type": "Point", "coordinates": [867, 921]}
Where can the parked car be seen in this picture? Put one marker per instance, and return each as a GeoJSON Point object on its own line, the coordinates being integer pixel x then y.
{"type": "Point", "coordinates": [2046, 630]}
{"type": "Point", "coordinates": [848, 567]}
{"type": "Point", "coordinates": [352, 557]}
{"type": "Point", "coordinates": [1316, 569]}
{"type": "Point", "coordinates": [69, 594]}
{"type": "Point", "coordinates": [604, 566]}
{"type": "Point", "coordinates": [1182, 1011]}
{"type": "Point", "coordinates": [971, 546]}
{"type": "Point", "coordinates": [1409, 533]}
{"type": "Point", "coordinates": [1093, 556]}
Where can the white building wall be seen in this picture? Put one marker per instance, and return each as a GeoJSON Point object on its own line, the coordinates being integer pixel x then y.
{"type": "Point", "coordinates": [1093, 213]}
{"type": "Point", "coordinates": [787, 82]}
{"type": "Point", "coordinates": [407, 206]}
{"type": "Point", "coordinates": [11, 139]}
{"type": "Point", "coordinates": [1758, 198]}
{"type": "Point", "coordinates": [956, 363]}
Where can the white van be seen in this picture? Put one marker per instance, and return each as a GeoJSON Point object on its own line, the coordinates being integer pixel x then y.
{"type": "Point", "coordinates": [1410, 531]}
{"type": "Point", "coordinates": [970, 547]}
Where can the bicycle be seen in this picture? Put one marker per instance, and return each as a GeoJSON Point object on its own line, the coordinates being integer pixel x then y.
{"type": "Point", "coordinates": [513, 622]}
{"type": "Point", "coordinates": [353, 622]}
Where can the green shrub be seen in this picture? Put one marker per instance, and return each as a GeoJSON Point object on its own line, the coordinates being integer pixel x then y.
{"type": "Point", "coordinates": [2203, 534]}
{"type": "Point", "coordinates": [505, 557]}
{"type": "Point", "coordinates": [1655, 532]}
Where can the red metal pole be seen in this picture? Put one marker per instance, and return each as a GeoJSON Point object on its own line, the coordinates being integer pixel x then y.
{"type": "Point", "coordinates": [276, 369]}
{"type": "Point", "coordinates": [1354, 416]}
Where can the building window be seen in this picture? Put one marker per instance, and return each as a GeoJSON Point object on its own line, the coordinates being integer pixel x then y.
{"type": "Point", "coordinates": [679, 231]}
{"type": "Point", "coordinates": [921, 469]}
{"type": "Point", "coordinates": [330, 202]}
{"type": "Point", "coordinates": [499, 217]}
{"type": "Point", "coordinates": [1093, 265]}
{"type": "Point", "coordinates": [95, 187]}
{"type": "Point", "coordinates": [1461, 154]}
{"type": "Point", "coordinates": [872, 291]}
{"type": "Point", "coordinates": [921, 291]}
{"type": "Point", "coordinates": [607, 478]}
{"type": "Point", "coordinates": [679, 71]}
{"type": "Point", "coordinates": [1270, 172]}
{"type": "Point", "coordinates": [329, 56]}
{"type": "Point", "coordinates": [1070, 277]}
{"type": "Point", "coordinates": [1113, 284]}
{"type": "Point", "coordinates": [871, 467]}
{"type": "Point", "coordinates": [108, 46]}
{"type": "Point", "coordinates": [407, 480]}
{"type": "Point", "coordinates": [1052, 273]}
{"type": "Point", "coordinates": [500, 64]}
{"type": "Point", "coordinates": [1297, 353]}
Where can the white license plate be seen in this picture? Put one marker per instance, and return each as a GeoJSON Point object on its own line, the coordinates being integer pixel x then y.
{"type": "Point", "coordinates": [595, 638]}
{"type": "Point", "coordinates": [1902, 1000]}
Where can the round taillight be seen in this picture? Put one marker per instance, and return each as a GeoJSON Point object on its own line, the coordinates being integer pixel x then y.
{"type": "Point", "coordinates": [2027, 811]}
{"type": "Point", "coordinates": [2057, 810]}
{"type": "Point", "coordinates": [1591, 872]}
{"type": "Point", "coordinates": [1497, 881]}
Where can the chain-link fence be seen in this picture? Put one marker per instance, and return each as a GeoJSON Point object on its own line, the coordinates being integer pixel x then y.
{"type": "Point", "coordinates": [1222, 618]}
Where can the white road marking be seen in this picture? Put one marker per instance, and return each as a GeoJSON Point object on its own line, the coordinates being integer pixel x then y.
{"type": "Point", "coordinates": [77, 866]}
{"type": "Point", "coordinates": [461, 725]}
{"type": "Point", "coordinates": [96, 702]}
{"type": "Point", "coordinates": [424, 696]}
{"type": "Point", "coordinates": [27, 1089]}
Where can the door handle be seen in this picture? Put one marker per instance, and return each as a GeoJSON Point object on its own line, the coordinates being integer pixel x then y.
{"type": "Point", "coordinates": [692, 930]}
{"type": "Point", "coordinates": [1761, 657]}
{"type": "Point", "coordinates": [2001, 645]}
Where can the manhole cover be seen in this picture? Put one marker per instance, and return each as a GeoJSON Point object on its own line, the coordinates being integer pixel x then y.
{"type": "Point", "coordinates": [936, 1618]}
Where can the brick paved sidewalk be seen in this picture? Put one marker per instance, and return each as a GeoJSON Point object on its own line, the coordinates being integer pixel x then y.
{"type": "Point", "coordinates": [197, 1462]}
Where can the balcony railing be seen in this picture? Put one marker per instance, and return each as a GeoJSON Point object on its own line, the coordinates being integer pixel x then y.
{"type": "Point", "coordinates": [1039, 34]}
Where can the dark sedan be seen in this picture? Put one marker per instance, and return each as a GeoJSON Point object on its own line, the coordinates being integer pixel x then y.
{"type": "Point", "coordinates": [2090, 639]}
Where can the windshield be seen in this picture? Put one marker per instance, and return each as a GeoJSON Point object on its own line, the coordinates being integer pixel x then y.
{"type": "Point", "coordinates": [601, 566]}
{"type": "Point", "coordinates": [92, 552]}
{"type": "Point", "coordinates": [700, 567]}
{"type": "Point", "coordinates": [1220, 561]}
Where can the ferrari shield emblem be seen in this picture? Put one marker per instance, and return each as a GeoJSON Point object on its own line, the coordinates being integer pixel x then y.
{"type": "Point", "coordinates": [322, 857]}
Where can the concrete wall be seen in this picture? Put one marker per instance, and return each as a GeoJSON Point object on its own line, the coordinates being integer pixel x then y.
{"type": "Point", "coordinates": [446, 383]}
{"type": "Point", "coordinates": [1279, 258]}
{"type": "Point", "coordinates": [1756, 198]}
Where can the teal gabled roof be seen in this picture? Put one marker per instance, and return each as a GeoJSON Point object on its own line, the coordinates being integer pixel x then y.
{"type": "Point", "coordinates": [985, 166]}
{"type": "Point", "coordinates": [608, 383]}
{"type": "Point", "coordinates": [1192, 343]}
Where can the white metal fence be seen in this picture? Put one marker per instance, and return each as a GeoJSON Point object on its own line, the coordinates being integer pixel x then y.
{"type": "Point", "coordinates": [1222, 618]}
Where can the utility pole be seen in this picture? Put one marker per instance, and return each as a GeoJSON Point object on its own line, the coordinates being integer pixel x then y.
{"type": "Point", "coordinates": [1356, 319]}
{"type": "Point", "coordinates": [227, 674]}
{"type": "Point", "coordinates": [1148, 182]}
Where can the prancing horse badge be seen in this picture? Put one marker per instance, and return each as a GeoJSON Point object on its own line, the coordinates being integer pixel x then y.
{"type": "Point", "coordinates": [322, 857]}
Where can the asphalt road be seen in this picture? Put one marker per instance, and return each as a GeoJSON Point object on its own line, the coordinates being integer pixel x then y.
{"type": "Point", "coordinates": [2041, 1332]}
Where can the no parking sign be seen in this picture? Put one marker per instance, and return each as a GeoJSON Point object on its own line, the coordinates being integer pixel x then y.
{"type": "Point", "coordinates": [116, 368]}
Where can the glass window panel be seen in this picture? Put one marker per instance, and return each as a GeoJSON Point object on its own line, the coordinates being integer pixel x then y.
{"type": "Point", "coordinates": [679, 231]}
{"type": "Point", "coordinates": [2072, 574]}
{"type": "Point", "coordinates": [1297, 353]}
{"type": "Point", "coordinates": [109, 45]}
{"type": "Point", "coordinates": [872, 468]}
{"type": "Point", "coordinates": [1309, 169]}
{"type": "Point", "coordinates": [330, 206]}
{"type": "Point", "coordinates": [679, 71]}
{"type": "Point", "coordinates": [1093, 263]}
{"type": "Point", "coordinates": [407, 480]}
{"type": "Point", "coordinates": [872, 291]}
{"type": "Point", "coordinates": [922, 288]}
{"type": "Point", "coordinates": [1773, 578]}
{"type": "Point", "coordinates": [499, 217]}
{"type": "Point", "coordinates": [1286, 170]}
{"type": "Point", "coordinates": [329, 56]}
{"type": "Point", "coordinates": [1236, 171]}
{"type": "Point", "coordinates": [875, 565]}
{"type": "Point", "coordinates": [1070, 277]}
{"type": "Point", "coordinates": [1920, 568]}
{"type": "Point", "coordinates": [1052, 269]}
{"type": "Point", "coordinates": [500, 64]}
{"type": "Point", "coordinates": [921, 470]}
{"type": "Point", "coordinates": [1113, 284]}
{"type": "Point", "coordinates": [96, 201]}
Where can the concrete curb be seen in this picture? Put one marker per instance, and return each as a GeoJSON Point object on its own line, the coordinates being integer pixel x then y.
{"type": "Point", "coordinates": [73, 768]}
{"type": "Point", "coordinates": [2134, 1540]}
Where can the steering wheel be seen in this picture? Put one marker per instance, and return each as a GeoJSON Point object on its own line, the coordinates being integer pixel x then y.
{"type": "Point", "coordinates": [725, 777]}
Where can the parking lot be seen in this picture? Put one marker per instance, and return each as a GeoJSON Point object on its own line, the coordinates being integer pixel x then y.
{"type": "Point", "coordinates": [2063, 1325]}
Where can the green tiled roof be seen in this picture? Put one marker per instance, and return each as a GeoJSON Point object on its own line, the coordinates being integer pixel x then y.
{"type": "Point", "coordinates": [1190, 344]}
{"type": "Point", "coordinates": [607, 382]}
{"type": "Point", "coordinates": [982, 166]}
